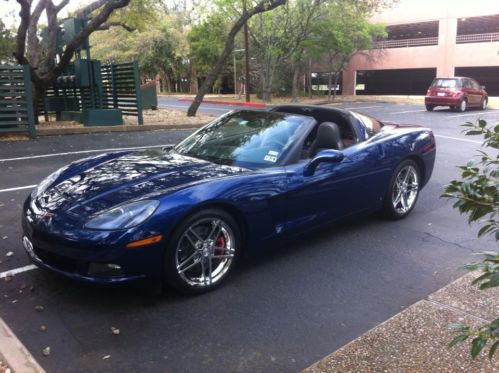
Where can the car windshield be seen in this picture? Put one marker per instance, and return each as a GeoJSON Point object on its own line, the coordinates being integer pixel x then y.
{"type": "Point", "coordinates": [247, 138]}
{"type": "Point", "coordinates": [446, 83]}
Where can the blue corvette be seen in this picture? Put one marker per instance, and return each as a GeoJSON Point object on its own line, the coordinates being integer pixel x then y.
{"type": "Point", "coordinates": [184, 215]}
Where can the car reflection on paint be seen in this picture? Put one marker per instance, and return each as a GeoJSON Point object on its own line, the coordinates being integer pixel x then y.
{"type": "Point", "coordinates": [182, 216]}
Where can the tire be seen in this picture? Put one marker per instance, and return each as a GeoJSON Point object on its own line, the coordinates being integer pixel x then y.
{"type": "Point", "coordinates": [202, 252]}
{"type": "Point", "coordinates": [483, 106]}
{"type": "Point", "coordinates": [403, 191]}
{"type": "Point", "coordinates": [461, 107]}
{"type": "Point", "coordinates": [430, 107]}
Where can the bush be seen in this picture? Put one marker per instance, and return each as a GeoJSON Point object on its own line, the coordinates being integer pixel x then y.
{"type": "Point", "coordinates": [476, 195]}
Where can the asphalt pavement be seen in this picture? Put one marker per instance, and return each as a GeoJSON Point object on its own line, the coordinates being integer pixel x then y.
{"type": "Point", "coordinates": [281, 310]}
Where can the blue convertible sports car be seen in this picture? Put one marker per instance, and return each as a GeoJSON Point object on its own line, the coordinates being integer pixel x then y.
{"type": "Point", "coordinates": [183, 215]}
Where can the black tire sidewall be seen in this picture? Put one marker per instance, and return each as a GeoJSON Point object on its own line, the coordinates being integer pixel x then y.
{"type": "Point", "coordinates": [171, 277]}
{"type": "Point", "coordinates": [388, 209]}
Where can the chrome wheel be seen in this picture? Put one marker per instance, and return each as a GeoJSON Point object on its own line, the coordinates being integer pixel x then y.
{"type": "Point", "coordinates": [484, 104]}
{"type": "Point", "coordinates": [205, 252]}
{"type": "Point", "coordinates": [405, 189]}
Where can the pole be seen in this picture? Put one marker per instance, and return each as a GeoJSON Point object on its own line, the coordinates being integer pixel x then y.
{"type": "Point", "coordinates": [235, 76]}
{"type": "Point", "coordinates": [246, 54]}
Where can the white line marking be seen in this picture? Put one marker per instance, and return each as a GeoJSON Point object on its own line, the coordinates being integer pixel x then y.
{"type": "Point", "coordinates": [15, 271]}
{"type": "Point", "coordinates": [475, 114]}
{"type": "Point", "coordinates": [359, 107]}
{"type": "Point", "coordinates": [82, 152]}
{"type": "Point", "coordinates": [407, 111]}
{"type": "Point", "coordinates": [17, 188]}
{"type": "Point", "coordinates": [458, 139]}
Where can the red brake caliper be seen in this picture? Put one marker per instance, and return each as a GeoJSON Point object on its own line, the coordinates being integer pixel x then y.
{"type": "Point", "coordinates": [220, 245]}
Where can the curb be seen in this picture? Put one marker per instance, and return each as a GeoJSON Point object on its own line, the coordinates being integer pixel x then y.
{"type": "Point", "coordinates": [101, 129]}
{"type": "Point", "coordinates": [15, 354]}
{"type": "Point", "coordinates": [221, 102]}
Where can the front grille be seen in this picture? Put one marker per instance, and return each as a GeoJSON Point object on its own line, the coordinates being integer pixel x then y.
{"type": "Point", "coordinates": [57, 261]}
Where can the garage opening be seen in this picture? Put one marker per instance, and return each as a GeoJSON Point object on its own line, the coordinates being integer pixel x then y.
{"type": "Point", "coordinates": [394, 82]}
{"type": "Point", "coordinates": [486, 75]}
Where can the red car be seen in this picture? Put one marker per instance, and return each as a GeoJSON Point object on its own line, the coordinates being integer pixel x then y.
{"type": "Point", "coordinates": [458, 93]}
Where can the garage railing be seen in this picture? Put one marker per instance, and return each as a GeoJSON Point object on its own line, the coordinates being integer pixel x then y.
{"type": "Point", "coordinates": [477, 38]}
{"type": "Point", "coordinates": [405, 43]}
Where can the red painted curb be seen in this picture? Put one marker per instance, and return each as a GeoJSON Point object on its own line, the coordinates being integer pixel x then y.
{"type": "Point", "coordinates": [220, 102]}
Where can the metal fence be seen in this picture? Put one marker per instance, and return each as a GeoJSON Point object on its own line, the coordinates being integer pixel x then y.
{"type": "Point", "coordinates": [405, 43]}
{"type": "Point", "coordinates": [121, 89]}
{"type": "Point", "coordinates": [477, 38]}
{"type": "Point", "coordinates": [16, 100]}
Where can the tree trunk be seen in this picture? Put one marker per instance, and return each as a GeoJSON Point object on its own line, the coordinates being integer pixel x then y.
{"type": "Point", "coordinates": [262, 6]}
{"type": "Point", "coordinates": [329, 85]}
{"type": "Point", "coordinates": [296, 76]}
{"type": "Point", "coordinates": [309, 78]}
{"type": "Point", "coordinates": [336, 78]}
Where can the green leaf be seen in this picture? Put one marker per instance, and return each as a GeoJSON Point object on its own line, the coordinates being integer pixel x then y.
{"type": "Point", "coordinates": [458, 339]}
{"type": "Point", "coordinates": [477, 346]}
{"type": "Point", "coordinates": [458, 327]}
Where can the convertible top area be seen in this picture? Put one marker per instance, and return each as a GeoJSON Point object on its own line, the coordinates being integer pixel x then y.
{"type": "Point", "coordinates": [350, 134]}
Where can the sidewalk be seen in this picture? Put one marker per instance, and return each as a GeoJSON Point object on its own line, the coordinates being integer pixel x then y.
{"type": "Point", "coordinates": [415, 340]}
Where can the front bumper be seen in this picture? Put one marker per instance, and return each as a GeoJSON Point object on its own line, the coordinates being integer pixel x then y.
{"type": "Point", "coordinates": [102, 259]}
{"type": "Point", "coordinates": [442, 101]}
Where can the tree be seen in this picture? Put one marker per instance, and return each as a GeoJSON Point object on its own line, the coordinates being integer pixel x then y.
{"type": "Point", "coordinates": [41, 58]}
{"type": "Point", "coordinates": [341, 32]}
{"type": "Point", "coordinates": [261, 7]}
{"type": "Point", "coordinates": [7, 44]}
{"type": "Point", "coordinates": [277, 36]}
{"type": "Point", "coordinates": [477, 195]}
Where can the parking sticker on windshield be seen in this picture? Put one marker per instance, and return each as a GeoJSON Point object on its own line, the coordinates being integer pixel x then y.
{"type": "Point", "coordinates": [271, 156]}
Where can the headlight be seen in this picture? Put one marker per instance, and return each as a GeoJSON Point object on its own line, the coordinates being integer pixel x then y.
{"type": "Point", "coordinates": [124, 216]}
{"type": "Point", "coordinates": [45, 183]}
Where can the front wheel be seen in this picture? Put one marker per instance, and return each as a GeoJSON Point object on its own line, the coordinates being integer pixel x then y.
{"type": "Point", "coordinates": [202, 252]}
{"type": "Point", "coordinates": [403, 191]}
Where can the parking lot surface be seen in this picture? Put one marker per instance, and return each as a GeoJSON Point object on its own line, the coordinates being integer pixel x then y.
{"type": "Point", "coordinates": [280, 311]}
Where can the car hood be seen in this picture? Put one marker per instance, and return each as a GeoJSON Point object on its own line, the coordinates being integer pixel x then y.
{"type": "Point", "coordinates": [117, 178]}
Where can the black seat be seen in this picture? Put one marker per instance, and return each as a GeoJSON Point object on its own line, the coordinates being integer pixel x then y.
{"type": "Point", "coordinates": [328, 137]}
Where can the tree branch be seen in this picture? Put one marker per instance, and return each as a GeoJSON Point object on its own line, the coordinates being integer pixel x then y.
{"type": "Point", "coordinates": [25, 16]}
{"type": "Point", "coordinates": [91, 26]}
{"type": "Point", "coordinates": [108, 25]}
{"type": "Point", "coordinates": [92, 7]}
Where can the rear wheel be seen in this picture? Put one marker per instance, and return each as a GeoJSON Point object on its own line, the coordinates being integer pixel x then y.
{"type": "Point", "coordinates": [461, 107]}
{"type": "Point", "coordinates": [403, 191]}
{"type": "Point", "coordinates": [430, 107]}
{"type": "Point", "coordinates": [484, 103]}
{"type": "Point", "coordinates": [202, 252]}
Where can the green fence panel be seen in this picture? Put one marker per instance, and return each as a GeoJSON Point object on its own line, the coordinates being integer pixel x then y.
{"type": "Point", "coordinates": [16, 100]}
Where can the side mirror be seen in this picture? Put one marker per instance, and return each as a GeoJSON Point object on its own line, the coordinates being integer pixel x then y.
{"type": "Point", "coordinates": [329, 156]}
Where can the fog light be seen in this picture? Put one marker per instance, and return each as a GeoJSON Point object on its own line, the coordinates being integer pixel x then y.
{"type": "Point", "coordinates": [105, 269]}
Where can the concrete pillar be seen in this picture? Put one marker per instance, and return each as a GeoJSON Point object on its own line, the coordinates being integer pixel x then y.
{"type": "Point", "coordinates": [447, 31]}
{"type": "Point", "coordinates": [349, 82]}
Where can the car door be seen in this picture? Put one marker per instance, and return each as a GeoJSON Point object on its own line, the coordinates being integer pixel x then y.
{"type": "Point", "coordinates": [334, 191]}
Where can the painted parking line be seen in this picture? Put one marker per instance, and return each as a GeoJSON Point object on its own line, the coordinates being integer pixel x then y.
{"type": "Point", "coordinates": [15, 271]}
{"type": "Point", "coordinates": [408, 111]}
{"type": "Point", "coordinates": [82, 152]}
{"type": "Point", "coordinates": [17, 188]}
{"type": "Point", "coordinates": [359, 107]}
{"type": "Point", "coordinates": [475, 114]}
{"type": "Point", "coordinates": [459, 139]}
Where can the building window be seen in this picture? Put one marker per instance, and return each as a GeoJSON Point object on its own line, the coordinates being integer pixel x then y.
{"type": "Point", "coordinates": [478, 29]}
{"type": "Point", "coordinates": [409, 35]}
